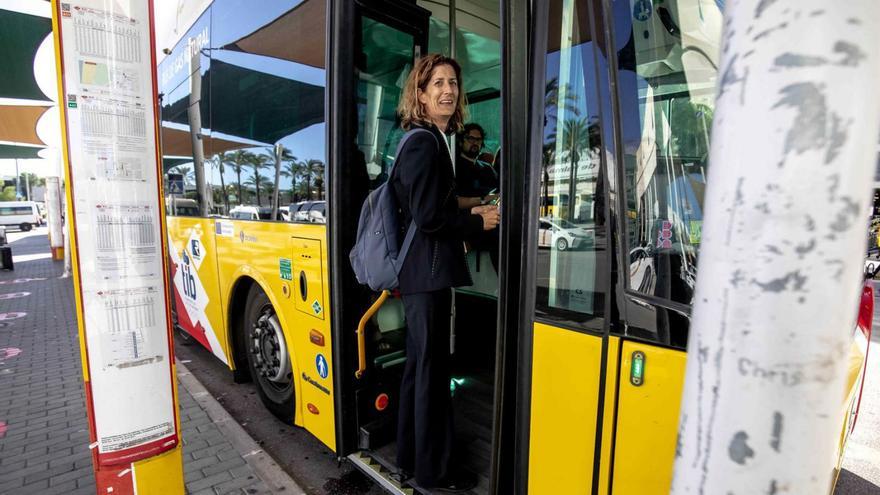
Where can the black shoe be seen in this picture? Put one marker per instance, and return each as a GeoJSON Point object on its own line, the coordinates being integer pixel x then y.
{"type": "Point", "coordinates": [460, 482]}
{"type": "Point", "coordinates": [400, 476]}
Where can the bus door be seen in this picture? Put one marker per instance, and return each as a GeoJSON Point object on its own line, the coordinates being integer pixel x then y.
{"type": "Point", "coordinates": [666, 73]}
{"type": "Point", "coordinates": [388, 38]}
{"type": "Point", "coordinates": [373, 47]}
{"type": "Point", "coordinates": [608, 354]}
{"type": "Point", "coordinates": [572, 358]}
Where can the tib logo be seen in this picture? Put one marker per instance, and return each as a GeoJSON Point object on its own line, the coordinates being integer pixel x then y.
{"type": "Point", "coordinates": [186, 277]}
{"type": "Point", "coordinates": [664, 239]}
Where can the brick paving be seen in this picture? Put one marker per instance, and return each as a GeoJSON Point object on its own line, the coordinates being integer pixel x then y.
{"type": "Point", "coordinates": [43, 425]}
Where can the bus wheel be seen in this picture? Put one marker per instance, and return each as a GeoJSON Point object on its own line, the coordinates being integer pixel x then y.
{"type": "Point", "coordinates": [267, 355]}
{"type": "Point", "coordinates": [25, 227]}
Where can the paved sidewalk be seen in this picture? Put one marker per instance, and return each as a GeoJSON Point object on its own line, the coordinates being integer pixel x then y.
{"type": "Point", "coordinates": [43, 425]}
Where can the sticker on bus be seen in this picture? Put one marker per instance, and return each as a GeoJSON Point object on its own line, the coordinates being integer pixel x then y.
{"type": "Point", "coordinates": [284, 267]}
{"type": "Point", "coordinates": [321, 366]}
{"type": "Point", "coordinates": [224, 228]}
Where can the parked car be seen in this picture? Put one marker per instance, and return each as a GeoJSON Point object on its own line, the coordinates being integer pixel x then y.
{"type": "Point", "coordinates": [309, 211]}
{"type": "Point", "coordinates": [562, 234]}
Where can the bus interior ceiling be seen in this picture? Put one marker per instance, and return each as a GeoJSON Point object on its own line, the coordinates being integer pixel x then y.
{"type": "Point", "coordinates": [385, 53]}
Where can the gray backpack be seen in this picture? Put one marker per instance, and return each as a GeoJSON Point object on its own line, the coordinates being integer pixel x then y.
{"type": "Point", "coordinates": [375, 257]}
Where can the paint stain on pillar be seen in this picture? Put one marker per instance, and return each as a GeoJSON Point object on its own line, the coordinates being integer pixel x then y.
{"type": "Point", "coordinates": [14, 315]}
{"type": "Point", "coordinates": [739, 449]}
{"type": "Point", "coordinates": [776, 438]}
{"type": "Point", "coordinates": [2, 429]}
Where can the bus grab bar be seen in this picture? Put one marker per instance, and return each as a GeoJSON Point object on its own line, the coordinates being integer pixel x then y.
{"type": "Point", "coordinates": [362, 352]}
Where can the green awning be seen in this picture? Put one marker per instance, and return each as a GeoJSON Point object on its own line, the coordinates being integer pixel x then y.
{"type": "Point", "coordinates": [249, 104]}
{"type": "Point", "coordinates": [11, 151]}
{"type": "Point", "coordinates": [20, 36]}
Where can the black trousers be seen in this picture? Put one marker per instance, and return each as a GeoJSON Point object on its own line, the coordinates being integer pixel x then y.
{"type": "Point", "coordinates": [424, 428]}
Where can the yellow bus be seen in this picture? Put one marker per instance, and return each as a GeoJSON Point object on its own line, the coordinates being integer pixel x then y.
{"type": "Point", "coordinates": [609, 103]}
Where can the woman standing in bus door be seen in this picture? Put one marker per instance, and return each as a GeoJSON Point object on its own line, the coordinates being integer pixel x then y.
{"type": "Point", "coordinates": [424, 184]}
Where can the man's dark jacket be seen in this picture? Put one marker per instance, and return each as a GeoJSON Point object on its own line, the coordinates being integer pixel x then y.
{"type": "Point", "coordinates": [424, 185]}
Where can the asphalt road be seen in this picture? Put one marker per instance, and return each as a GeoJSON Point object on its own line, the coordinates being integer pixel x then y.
{"type": "Point", "coordinates": [308, 461]}
{"type": "Point", "coordinates": [861, 460]}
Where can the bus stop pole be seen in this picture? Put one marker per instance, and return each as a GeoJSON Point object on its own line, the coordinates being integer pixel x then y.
{"type": "Point", "coordinates": [53, 213]}
{"type": "Point", "coordinates": [792, 164]}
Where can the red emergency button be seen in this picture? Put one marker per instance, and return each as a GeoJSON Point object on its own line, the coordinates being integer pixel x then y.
{"type": "Point", "coordinates": [381, 402]}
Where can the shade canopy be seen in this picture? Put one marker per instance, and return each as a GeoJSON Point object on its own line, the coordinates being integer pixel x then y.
{"type": "Point", "coordinates": [19, 123]}
{"type": "Point", "coordinates": [11, 151]}
{"type": "Point", "coordinates": [307, 20]}
{"type": "Point", "coordinates": [252, 105]}
{"type": "Point", "coordinates": [21, 36]}
{"type": "Point", "coordinates": [178, 142]}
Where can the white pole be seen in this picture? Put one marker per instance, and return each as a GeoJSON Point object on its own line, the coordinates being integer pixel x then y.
{"type": "Point", "coordinates": [53, 212]}
{"type": "Point", "coordinates": [792, 163]}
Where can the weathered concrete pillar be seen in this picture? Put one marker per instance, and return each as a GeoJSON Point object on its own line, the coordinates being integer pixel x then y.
{"type": "Point", "coordinates": [792, 163]}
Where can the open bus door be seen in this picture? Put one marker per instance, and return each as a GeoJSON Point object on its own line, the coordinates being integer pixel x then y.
{"type": "Point", "coordinates": [373, 47]}
{"type": "Point", "coordinates": [370, 67]}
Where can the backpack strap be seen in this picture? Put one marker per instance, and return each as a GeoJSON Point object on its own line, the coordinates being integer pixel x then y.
{"type": "Point", "coordinates": [411, 229]}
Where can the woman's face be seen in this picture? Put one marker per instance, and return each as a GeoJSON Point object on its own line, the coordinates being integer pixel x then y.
{"type": "Point", "coordinates": [440, 97]}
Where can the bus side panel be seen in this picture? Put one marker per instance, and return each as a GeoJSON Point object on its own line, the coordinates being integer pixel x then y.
{"type": "Point", "coordinates": [196, 290]}
{"type": "Point", "coordinates": [647, 420]}
{"type": "Point", "coordinates": [565, 395]}
{"type": "Point", "coordinates": [265, 252]}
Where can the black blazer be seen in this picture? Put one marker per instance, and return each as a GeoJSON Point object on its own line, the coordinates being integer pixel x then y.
{"type": "Point", "coordinates": [424, 185]}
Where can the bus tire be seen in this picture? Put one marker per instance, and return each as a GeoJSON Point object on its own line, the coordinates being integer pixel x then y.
{"type": "Point", "coordinates": [25, 227]}
{"type": "Point", "coordinates": [268, 356]}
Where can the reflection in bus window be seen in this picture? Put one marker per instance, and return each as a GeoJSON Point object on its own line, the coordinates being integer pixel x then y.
{"type": "Point", "coordinates": [386, 62]}
{"type": "Point", "coordinates": [260, 99]}
{"type": "Point", "coordinates": [667, 80]}
{"type": "Point", "coordinates": [572, 258]}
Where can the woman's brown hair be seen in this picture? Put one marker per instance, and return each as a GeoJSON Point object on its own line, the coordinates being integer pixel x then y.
{"type": "Point", "coordinates": [411, 110]}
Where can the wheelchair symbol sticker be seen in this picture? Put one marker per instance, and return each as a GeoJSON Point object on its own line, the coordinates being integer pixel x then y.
{"type": "Point", "coordinates": [321, 365]}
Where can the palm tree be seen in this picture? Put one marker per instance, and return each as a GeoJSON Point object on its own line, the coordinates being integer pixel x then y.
{"type": "Point", "coordinates": [318, 171]}
{"type": "Point", "coordinates": [219, 161]}
{"type": "Point", "coordinates": [186, 172]}
{"type": "Point", "coordinates": [259, 182]}
{"type": "Point", "coordinates": [257, 162]}
{"type": "Point", "coordinates": [292, 168]}
{"type": "Point", "coordinates": [314, 168]}
{"type": "Point", "coordinates": [575, 139]}
{"type": "Point", "coordinates": [237, 162]}
{"type": "Point", "coordinates": [283, 158]}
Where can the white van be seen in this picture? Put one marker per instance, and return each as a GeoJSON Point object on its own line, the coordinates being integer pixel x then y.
{"type": "Point", "coordinates": [246, 212]}
{"type": "Point", "coordinates": [22, 214]}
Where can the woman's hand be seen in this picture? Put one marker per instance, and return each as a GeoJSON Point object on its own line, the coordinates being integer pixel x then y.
{"type": "Point", "coordinates": [490, 213]}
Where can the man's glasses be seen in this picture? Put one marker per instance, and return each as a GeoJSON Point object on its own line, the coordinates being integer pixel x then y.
{"type": "Point", "coordinates": [473, 139]}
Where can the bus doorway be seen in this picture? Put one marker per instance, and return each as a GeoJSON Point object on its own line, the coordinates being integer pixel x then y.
{"type": "Point", "coordinates": [388, 38]}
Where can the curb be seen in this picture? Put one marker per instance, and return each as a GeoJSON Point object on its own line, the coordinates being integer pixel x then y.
{"type": "Point", "coordinates": [262, 463]}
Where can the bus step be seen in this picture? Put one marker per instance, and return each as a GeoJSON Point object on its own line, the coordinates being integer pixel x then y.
{"type": "Point", "coordinates": [379, 473]}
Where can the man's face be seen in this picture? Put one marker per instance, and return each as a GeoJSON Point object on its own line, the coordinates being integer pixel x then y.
{"type": "Point", "coordinates": [473, 143]}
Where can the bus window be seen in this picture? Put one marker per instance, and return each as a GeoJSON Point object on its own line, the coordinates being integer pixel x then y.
{"type": "Point", "coordinates": [267, 107]}
{"type": "Point", "coordinates": [667, 82]}
{"type": "Point", "coordinates": [571, 255]}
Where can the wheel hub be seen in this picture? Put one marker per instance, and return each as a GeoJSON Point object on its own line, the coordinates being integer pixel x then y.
{"type": "Point", "coordinates": [270, 350]}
